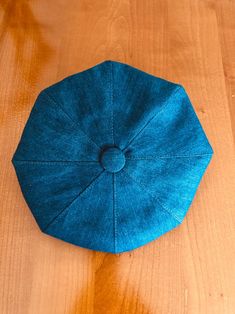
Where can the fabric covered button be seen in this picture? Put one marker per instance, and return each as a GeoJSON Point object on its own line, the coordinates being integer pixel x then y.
{"type": "Point", "coordinates": [113, 159]}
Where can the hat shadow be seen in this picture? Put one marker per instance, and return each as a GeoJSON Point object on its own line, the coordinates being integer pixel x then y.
{"type": "Point", "coordinates": [111, 291]}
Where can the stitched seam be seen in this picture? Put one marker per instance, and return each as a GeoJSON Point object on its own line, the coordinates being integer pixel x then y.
{"type": "Point", "coordinates": [90, 86]}
{"type": "Point", "coordinates": [74, 122]}
{"type": "Point", "coordinates": [54, 161]}
{"type": "Point", "coordinates": [114, 182]}
{"type": "Point", "coordinates": [155, 198]}
{"type": "Point", "coordinates": [82, 192]}
{"type": "Point", "coordinates": [111, 98]}
{"type": "Point", "coordinates": [165, 157]}
{"type": "Point", "coordinates": [114, 214]}
{"type": "Point", "coordinates": [150, 120]}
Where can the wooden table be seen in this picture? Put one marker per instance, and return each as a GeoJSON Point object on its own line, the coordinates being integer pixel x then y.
{"type": "Point", "coordinates": [188, 270]}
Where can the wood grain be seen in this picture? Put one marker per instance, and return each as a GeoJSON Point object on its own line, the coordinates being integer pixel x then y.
{"type": "Point", "coordinates": [192, 268]}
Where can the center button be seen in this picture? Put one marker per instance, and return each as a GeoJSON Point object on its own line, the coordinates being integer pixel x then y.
{"type": "Point", "coordinates": [113, 159]}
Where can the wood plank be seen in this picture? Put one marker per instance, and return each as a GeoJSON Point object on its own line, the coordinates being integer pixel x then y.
{"type": "Point", "coordinates": [225, 12]}
{"type": "Point", "coordinates": [190, 269]}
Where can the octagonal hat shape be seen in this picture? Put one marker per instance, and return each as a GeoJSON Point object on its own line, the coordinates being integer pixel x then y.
{"type": "Point", "coordinates": [111, 158]}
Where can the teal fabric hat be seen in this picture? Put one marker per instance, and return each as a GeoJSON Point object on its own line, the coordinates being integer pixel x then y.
{"type": "Point", "coordinates": [111, 158]}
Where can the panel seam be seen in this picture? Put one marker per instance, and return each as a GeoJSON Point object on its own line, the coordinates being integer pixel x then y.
{"type": "Point", "coordinates": [74, 122]}
{"type": "Point", "coordinates": [113, 175]}
{"type": "Point", "coordinates": [167, 157]}
{"type": "Point", "coordinates": [111, 99]}
{"type": "Point", "coordinates": [152, 118]}
{"type": "Point", "coordinates": [54, 161]}
{"type": "Point", "coordinates": [114, 214]}
{"type": "Point", "coordinates": [155, 198]}
{"type": "Point", "coordinates": [83, 191]}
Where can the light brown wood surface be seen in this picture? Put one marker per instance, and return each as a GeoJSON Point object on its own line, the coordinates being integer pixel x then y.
{"type": "Point", "coordinates": [192, 268]}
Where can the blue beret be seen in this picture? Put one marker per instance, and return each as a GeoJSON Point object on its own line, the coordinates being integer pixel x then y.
{"type": "Point", "coordinates": [111, 158]}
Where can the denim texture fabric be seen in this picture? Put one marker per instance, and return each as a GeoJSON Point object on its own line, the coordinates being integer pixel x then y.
{"type": "Point", "coordinates": [111, 158]}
